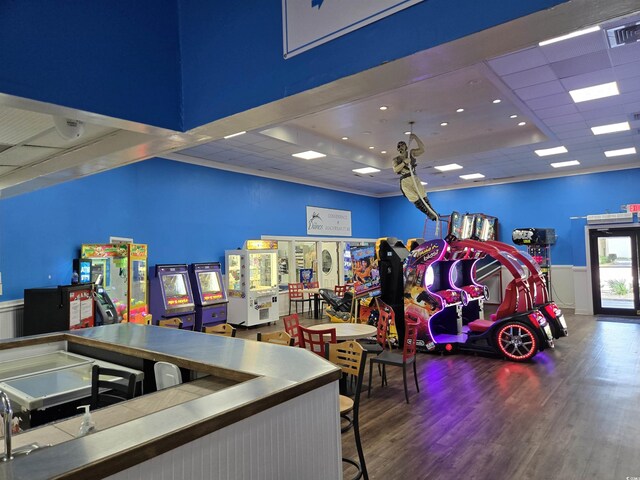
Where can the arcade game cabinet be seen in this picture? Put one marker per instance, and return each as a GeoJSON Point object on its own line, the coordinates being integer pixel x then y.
{"type": "Point", "coordinates": [538, 242]}
{"type": "Point", "coordinates": [55, 309]}
{"type": "Point", "coordinates": [252, 276]}
{"type": "Point", "coordinates": [123, 267]}
{"type": "Point", "coordinates": [210, 296]}
{"type": "Point", "coordinates": [391, 254]}
{"type": "Point", "coordinates": [171, 295]}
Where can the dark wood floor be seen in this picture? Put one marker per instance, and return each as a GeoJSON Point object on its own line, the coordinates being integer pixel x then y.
{"type": "Point", "coordinates": [571, 413]}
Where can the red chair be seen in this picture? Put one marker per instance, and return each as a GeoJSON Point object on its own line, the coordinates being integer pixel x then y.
{"type": "Point", "coordinates": [340, 290]}
{"type": "Point", "coordinates": [292, 327]}
{"type": "Point", "coordinates": [296, 295]}
{"type": "Point", "coordinates": [315, 340]}
{"type": "Point", "coordinates": [397, 359]}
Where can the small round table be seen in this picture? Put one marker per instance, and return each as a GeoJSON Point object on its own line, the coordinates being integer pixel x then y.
{"type": "Point", "coordinates": [347, 331]}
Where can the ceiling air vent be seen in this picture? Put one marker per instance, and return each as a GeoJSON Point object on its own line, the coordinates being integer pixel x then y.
{"type": "Point", "coordinates": [624, 35]}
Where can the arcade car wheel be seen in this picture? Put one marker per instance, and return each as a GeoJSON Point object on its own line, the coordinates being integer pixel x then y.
{"type": "Point", "coordinates": [516, 341]}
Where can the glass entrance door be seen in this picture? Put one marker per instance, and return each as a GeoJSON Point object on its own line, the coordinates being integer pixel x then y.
{"type": "Point", "coordinates": [614, 271]}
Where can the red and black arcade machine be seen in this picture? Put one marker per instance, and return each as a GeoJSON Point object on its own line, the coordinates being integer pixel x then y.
{"type": "Point", "coordinates": [209, 294]}
{"type": "Point", "coordinates": [171, 295]}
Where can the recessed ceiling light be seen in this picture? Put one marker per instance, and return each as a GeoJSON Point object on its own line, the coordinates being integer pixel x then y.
{"type": "Point", "coordinates": [309, 155]}
{"type": "Point", "coordinates": [472, 176]}
{"type": "Point", "coordinates": [383, 107]}
{"type": "Point", "coordinates": [383, 152]}
{"type": "Point", "coordinates": [371, 148]}
{"type": "Point", "coordinates": [497, 100]}
{"type": "Point", "coordinates": [365, 170]}
{"type": "Point", "coordinates": [565, 164]}
{"type": "Point", "coordinates": [460, 110]}
{"type": "Point", "coordinates": [407, 133]}
{"type": "Point", "coordinates": [513, 116]}
{"type": "Point", "coordinates": [366, 132]}
{"type": "Point", "coordinates": [444, 124]}
{"type": "Point", "coordinates": [234, 135]}
{"type": "Point", "coordinates": [622, 151]}
{"type": "Point", "coordinates": [570, 35]}
{"type": "Point", "coordinates": [446, 168]}
{"type": "Point", "coordinates": [551, 151]}
{"type": "Point", "coordinates": [592, 93]}
{"type": "Point", "coordinates": [612, 128]}
{"type": "Point", "coordinates": [345, 138]}
{"type": "Point", "coordinates": [424, 183]}
{"type": "Point", "coordinates": [522, 124]}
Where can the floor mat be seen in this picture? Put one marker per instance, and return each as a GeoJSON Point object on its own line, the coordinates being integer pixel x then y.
{"type": "Point", "coordinates": [607, 318]}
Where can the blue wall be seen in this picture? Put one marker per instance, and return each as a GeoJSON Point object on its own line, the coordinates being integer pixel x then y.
{"type": "Point", "coordinates": [185, 214]}
{"type": "Point", "coordinates": [117, 58]}
{"type": "Point", "coordinates": [540, 204]}
{"type": "Point", "coordinates": [182, 63]}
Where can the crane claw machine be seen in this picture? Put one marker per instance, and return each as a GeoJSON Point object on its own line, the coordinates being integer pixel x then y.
{"type": "Point", "coordinates": [209, 294]}
{"type": "Point", "coordinates": [252, 280]}
{"type": "Point", "coordinates": [123, 267]}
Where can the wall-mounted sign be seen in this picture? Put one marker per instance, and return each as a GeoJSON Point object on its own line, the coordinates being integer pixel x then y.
{"type": "Point", "coordinates": [633, 207]}
{"type": "Point", "coordinates": [309, 23]}
{"type": "Point", "coordinates": [326, 221]}
{"type": "Point", "coordinates": [261, 245]}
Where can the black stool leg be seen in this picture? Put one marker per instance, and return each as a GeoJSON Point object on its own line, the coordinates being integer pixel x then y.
{"type": "Point", "coordinates": [415, 375]}
{"type": "Point", "coordinates": [404, 379]}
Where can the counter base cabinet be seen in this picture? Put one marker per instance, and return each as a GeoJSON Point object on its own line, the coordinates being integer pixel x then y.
{"type": "Point", "coordinates": [271, 444]}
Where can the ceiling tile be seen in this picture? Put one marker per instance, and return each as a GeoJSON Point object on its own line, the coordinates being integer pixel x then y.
{"type": "Point", "coordinates": [575, 47]}
{"type": "Point", "coordinates": [541, 90]}
{"type": "Point", "coordinates": [589, 79]}
{"type": "Point", "coordinates": [517, 62]}
{"type": "Point", "coordinates": [533, 76]}
{"type": "Point", "coordinates": [590, 62]}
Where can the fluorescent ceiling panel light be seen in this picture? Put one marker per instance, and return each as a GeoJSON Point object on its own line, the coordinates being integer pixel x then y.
{"type": "Point", "coordinates": [365, 170]}
{"type": "Point", "coordinates": [234, 135]}
{"type": "Point", "coordinates": [570, 163]}
{"type": "Point", "coordinates": [592, 93]}
{"type": "Point", "coordinates": [446, 168]}
{"type": "Point", "coordinates": [612, 128]}
{"type": "Point", "coordinates": [622, 151]}
{"type": "Point", "coordinates": [570, 35]}
{"type": "Point", "coordinates": [383, 152]}
{"type": "Point", "coordinates": [371, 148]}
{"type": "Point", "coordinates": [407, 133]}
{"type": "Point", "coordinates": [551, 151]}
{"type": "Point", "coordinates": [472, 176]}
{"type": "Point", "coordinates": [308, 155]}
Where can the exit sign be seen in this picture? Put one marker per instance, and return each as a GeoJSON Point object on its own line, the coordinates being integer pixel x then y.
{"type": "Point", "coordinates": [633, 207]}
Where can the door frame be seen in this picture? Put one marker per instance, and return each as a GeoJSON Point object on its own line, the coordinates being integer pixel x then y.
{"type": "Point", "coordinates": [593, 262]}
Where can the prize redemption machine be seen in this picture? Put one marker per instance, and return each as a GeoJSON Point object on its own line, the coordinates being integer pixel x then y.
{"type": "Point", "coordinates": [123, 268]}
{"type": "Point", "coordinates": [57, 309]}
{"type": "Point", "coordinates": [252, 276]}
{"type": "Point", "coordinates": [171, 295]}
{"type": "Point", "coordinates": [210, 296]}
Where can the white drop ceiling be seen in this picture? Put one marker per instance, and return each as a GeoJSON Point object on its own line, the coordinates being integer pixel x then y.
{"type": "Point", "coordinates": [427, 88]}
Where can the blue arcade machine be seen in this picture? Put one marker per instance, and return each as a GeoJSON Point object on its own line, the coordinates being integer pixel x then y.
{"type": "Point", "coordinates": [209, 294]}
{"type": "Point", "coordinates": [171, 295]}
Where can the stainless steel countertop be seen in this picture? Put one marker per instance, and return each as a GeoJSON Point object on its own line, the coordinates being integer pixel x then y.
{"type": "Point", "coordinates": [279, 374]}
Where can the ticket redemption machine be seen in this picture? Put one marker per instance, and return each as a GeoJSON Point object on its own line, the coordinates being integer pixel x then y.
{"type": "Point", "coordinates": [209, 294]}
{"type": "Point", "coordinates": [252, 276]}
{"type": "Point", "coordinates": [123, 267]}
{"type": "Point", "coordinates": [171, 295]}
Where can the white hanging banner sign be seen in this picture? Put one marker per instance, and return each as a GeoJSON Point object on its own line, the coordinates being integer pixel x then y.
{"type": "Point", "coordinates": [309, 23]}
{"type": "Point", "coordinates": [326, 221]}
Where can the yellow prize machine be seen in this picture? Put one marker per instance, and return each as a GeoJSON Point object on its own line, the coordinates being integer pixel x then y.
{"type": "Point", "coordinates": [252, 277]}
{"type": "Point", "coordinates": [123, 269]}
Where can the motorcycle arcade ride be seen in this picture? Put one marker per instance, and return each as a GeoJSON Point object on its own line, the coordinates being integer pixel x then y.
{"type": "Point", "coordinates": [537, 288]}
{"type": "Point", "coordinates": [442, 295]}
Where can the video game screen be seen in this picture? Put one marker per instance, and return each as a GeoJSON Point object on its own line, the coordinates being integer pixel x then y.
{"type": "Point", "coordinates": [455, 225]}
{"type": "Point", "coordinates": [210, 286]}
{"type": "Point", "coordinates": [175, 289]}
{"type": "Point", "coordinates": [366, 276]}
{"type": "Point", "coordinates": [490, 224]}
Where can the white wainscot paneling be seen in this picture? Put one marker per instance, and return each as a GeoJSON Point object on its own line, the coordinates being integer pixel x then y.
{"type": "Point", "coordinates": [299, 439]}
{"type": "Point", "coordinates": [10, 315]}
{"type": "Point", "coordinates": [582, 291]}
{"type": "Point", "coordinates": [562, 289]}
